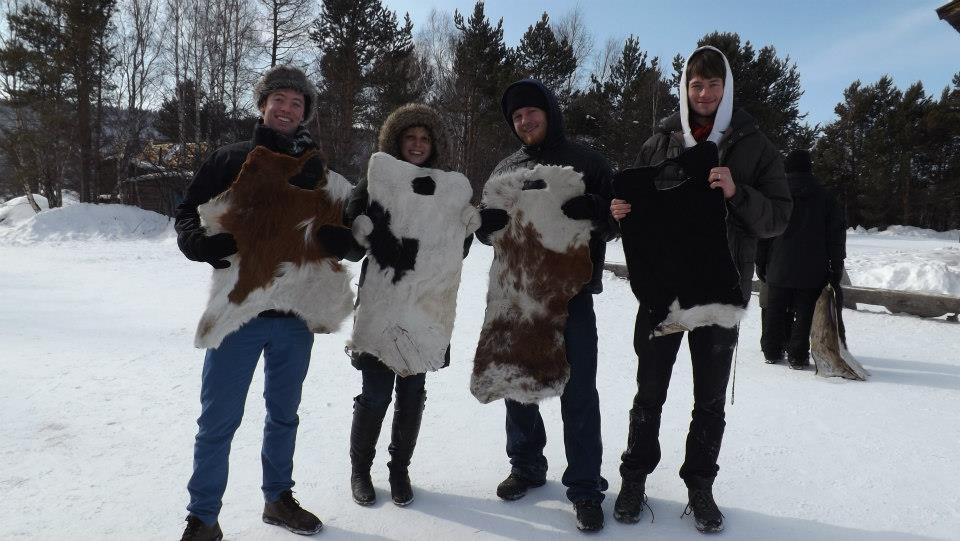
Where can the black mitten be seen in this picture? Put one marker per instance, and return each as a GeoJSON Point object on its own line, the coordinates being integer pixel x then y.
{"type": "Point", "coordinates": [214, 248]}
{"type": "Point", "coordinates": [581, 207]}
{"type": "Point", "coordinates": [337, 240]}
{"type": "Point", "coordinates": [492, 220]}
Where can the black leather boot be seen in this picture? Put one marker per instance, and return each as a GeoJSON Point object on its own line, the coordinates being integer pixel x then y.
{"type": "Point", "coordinates": [364, 433]}
{"type": "Point", "coordinates": [403, 439]}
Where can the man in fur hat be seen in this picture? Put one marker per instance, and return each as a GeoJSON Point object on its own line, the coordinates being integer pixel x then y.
{"type": "Point", "coordinates": [286, 100]}
{"type": "Point", "coordinates": [758, 205]}
{"type": "Point", "coordinates": [532, 112]}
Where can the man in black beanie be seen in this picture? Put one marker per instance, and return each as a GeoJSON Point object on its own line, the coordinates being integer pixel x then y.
{"type": "Point", "coordinates": [286, 99]}
{"type": "Point", "coordinates": [797, 265]}
{"type": "Point", "coordinates": [531, 111]}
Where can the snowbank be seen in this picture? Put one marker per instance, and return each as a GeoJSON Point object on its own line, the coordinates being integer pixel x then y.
{"type": "Point", "coordinates": [18, 209]}
{"type": "Point", "coordinates": [84, 221]}
{"type": "Point", "coordinates": [907, 231]}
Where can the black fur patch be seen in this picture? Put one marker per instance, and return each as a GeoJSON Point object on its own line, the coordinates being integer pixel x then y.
{"type": "Point", "coordinates": [389, 251]}
{"type": "Point", "coordinates": [675, 240]}
{"type": "Point", "coordinates": [424, 185]}
{"type": "Point", "coordinates": [536, 184]}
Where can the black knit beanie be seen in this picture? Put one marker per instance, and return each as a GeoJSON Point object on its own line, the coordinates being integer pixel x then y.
{"type": "Point", "coordinates": [524, 95]}
{"type": "Point", "coordinates": [798, 161]}
{"type": "Point", "coordinates": [290, 78]}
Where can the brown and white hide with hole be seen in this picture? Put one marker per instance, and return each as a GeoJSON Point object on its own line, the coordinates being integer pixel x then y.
{"type": "Point", "coordinates": [827, 347]}
{"type": "Point", "coordinates": [541, 260]}
{"type": "Point", "coordinates": [414, 228]}
{"type": "Point", "coordinates": [279, 264]}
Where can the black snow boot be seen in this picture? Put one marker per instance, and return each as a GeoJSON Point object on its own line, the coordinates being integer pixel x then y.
{"type": "Point", "coordinates": [286, 512]}
{"type": "Point", "coordinates": [798, 362]}
{"type": "Point", "coordinates": [364, 433]}
{"type": "Point", "coordinates": [706, 514]}
{"type": "Point", "coordinates": [631, 501]}
{"type": "Point", "coordinates": [772, 357]}
{"type": "Point", "coordinates": [403, 439]}
{"type": "Point", "coordinates": [196, 530]}
{"type": "Point", "coordinates": [589, 515]}
{"type": "Point", "coordinates": [515, 487]}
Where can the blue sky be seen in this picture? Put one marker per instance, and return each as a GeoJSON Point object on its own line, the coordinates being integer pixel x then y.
{"type": "Point", "coordinates": [832, 43]}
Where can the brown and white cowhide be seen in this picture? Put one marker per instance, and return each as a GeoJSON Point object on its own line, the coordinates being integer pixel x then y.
{"type": "Point", "coordinates": [279, 264]}
{"type": "Point", "coordinates": [541, 260]}
{"type": "Point", "coordinates": [414, 228]}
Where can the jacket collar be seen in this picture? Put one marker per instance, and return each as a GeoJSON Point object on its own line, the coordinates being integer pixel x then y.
{"type": "Point", "coordinates": [294, 145]}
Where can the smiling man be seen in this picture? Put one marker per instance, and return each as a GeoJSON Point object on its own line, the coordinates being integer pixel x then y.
{"type": "Point", "coordinates": [758, 205]}
{"type": "Point", "coordinates": [285, 98]}
{"type": "Point", "coordinates": [531, 110]}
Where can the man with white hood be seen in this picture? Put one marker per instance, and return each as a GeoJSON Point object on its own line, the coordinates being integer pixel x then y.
{"type": "Point", "coordinates": [758, 205]}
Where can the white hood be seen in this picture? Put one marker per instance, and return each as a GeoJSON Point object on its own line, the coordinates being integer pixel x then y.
{"type": "Point", "coordinates": [724, 112]}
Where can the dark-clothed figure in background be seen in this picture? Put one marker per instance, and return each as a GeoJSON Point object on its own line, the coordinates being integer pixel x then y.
{"type": "Point", "coordinates": [531, 111]}
{"type": "Point", "coordinates": [413, 133]}
{"type": "Point", "coordinates": [286, 99]}
{"type": "Point", "coordinates": [758, 206]}
{"type": "Point", "coordinates": [797, 265]}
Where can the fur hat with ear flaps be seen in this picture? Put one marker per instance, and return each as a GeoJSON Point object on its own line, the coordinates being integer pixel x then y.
{"type": "Point", "coordinates": [408, 116]}
{"type": "Point", "coordinates": [287, 77]}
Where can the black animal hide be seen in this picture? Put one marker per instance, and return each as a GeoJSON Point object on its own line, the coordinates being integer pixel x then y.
{"type": "Point", "coordinates": [675, 243]}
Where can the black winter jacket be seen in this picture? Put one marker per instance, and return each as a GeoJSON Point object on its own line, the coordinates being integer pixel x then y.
{"type": "Point", "coordinates": [760, 208]}
{"type": "Point", "coordinates": [557, 150]}
{"type": "Point", "coordinates": [800, 257]}
{"type": "Point", "coordinates": [221, 168]}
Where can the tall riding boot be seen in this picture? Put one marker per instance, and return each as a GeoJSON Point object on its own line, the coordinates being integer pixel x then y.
{"type": "Point", "coordinates": [406, 427]}
{"type": "Point", "coordinates": [363, 447]}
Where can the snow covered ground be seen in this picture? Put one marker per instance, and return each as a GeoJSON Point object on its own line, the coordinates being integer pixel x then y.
{"type": "Point", "coordinates": [99, 391]}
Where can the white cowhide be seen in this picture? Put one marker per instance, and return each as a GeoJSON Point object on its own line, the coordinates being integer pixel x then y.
{"type": "Point", "coordinates": [407, 304]}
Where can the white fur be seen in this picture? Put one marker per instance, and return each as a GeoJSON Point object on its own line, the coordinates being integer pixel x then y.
{"type": "Point", "coordinates": [408, 324]}
{"type": "Point", "coordinates": [686, 319]}
{"type": "Point", "coordinates": [316, 292]}
{"type": "Point", "coordinates": [510, 382]}
{"type": "Point", "coordinates": [338, 188]}
{"type": "Point", "coordinates": [724, 112]}
{"type": "Point", "coordinates": [541, 207]}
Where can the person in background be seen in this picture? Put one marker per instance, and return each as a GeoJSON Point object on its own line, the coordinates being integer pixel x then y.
{"type": "Point", "coordinates": [799, 263]}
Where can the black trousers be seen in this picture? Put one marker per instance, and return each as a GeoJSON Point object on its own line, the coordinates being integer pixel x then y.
{"type": "Point", "coordinates": [788, 308]}
{"type": "Point", "coordinates": [711, 354]}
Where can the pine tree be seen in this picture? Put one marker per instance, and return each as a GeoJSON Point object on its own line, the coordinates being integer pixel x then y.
{"type": "Point", "coordinates": [480, 72]}
{"type": "Point", "coordinates": [540, 55]}
{"type": "Point", "coordinates": [616, 115]}
{"type": "Point", "coordinates": [61, 62]}
{"type": "Point", "coordinates": [401, 75]}
{"type": "Point", "coordinates": [353, 36]}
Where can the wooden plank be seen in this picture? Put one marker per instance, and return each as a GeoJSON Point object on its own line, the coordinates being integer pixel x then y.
{"type": "Point", "coordinates": [908, 302]}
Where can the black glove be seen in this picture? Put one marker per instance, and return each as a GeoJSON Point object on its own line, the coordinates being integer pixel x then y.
{"type": "Point", "coordinates": [581, 207]}
{"type": "Point", "coordinates": [835, 271]}
{"type": "Point", "coordinates": [337, 240]}
{"type": "Point", "coordinates": [214, 248]}
{"type": "Point", "coordinates": [492, 220]}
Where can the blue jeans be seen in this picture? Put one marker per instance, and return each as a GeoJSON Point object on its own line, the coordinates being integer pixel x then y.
{"type": "Point", "coordinates": [579, 408]}
{"type": "Point", "coordinates": [227, 371]}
